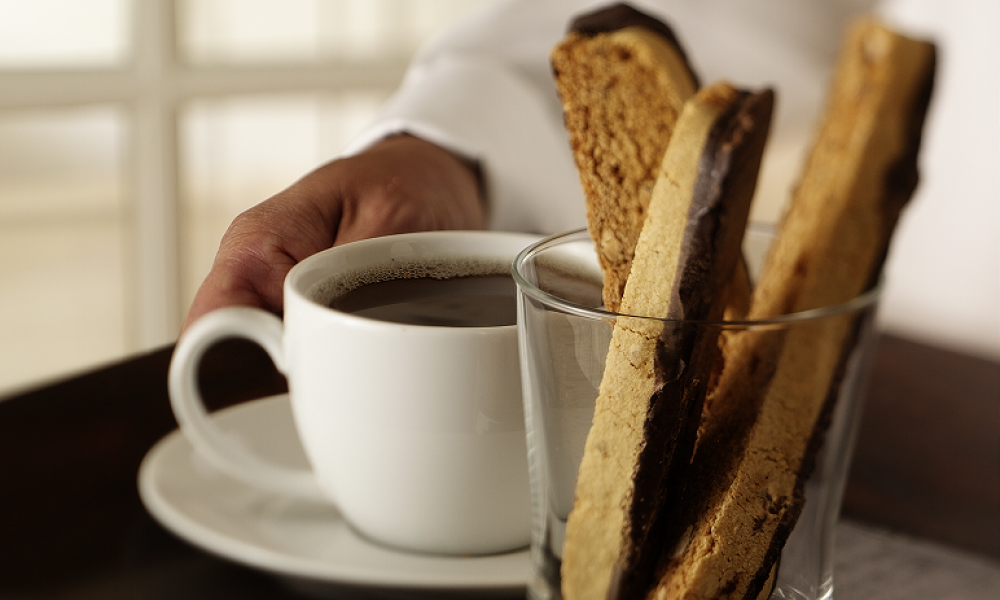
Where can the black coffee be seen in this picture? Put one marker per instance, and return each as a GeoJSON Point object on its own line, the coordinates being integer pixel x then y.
{"type": "Point", "coordinates": [471, 301]}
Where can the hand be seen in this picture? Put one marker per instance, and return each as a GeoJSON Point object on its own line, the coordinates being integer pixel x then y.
{"type": "Point", "coordinates": [401, 184]}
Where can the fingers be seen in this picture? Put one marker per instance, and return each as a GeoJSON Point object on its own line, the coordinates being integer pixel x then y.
{"type": "Point", "coordinates": [405, 184]}
{"type": "Point", "coordinates": [399, 185]}
{"type": "Point", "coordinates": [256, 253]}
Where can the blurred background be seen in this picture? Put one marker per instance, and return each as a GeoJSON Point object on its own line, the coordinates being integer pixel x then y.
{"type": "Point", "coordinates": [133, 131]}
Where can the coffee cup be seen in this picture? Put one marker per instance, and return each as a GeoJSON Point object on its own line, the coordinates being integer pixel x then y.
{"type": "Point", "coordinates": [414, 431]}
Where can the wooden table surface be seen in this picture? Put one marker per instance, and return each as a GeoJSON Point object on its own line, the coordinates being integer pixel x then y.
{"type": "Point", "coordinates": [921, 510]}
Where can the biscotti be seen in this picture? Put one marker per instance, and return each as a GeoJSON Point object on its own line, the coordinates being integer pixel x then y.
{"type": "Point", "coordinates": [657, 372]}
{"type": "Point", "coordinates": [622, 78]}
{"type": "Point", "coordinates": [768, 414]}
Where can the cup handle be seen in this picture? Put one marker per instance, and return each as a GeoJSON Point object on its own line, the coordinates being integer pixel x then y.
{"type": "Point", "coordinates": [222, 450]}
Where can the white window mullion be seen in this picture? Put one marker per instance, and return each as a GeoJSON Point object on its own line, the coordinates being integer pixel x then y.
{"type": "Point", "coordinates": [155, 283]}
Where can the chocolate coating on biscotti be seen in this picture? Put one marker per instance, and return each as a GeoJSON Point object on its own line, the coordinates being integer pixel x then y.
{"type": "Point", "coordinates": [616, 500]}
{"type": "Point", "coordinates": [773, 403]}
{"type": "Point", "coordinates": [621, 16]}
{"type": "Point", "coordinates": [685, 353]}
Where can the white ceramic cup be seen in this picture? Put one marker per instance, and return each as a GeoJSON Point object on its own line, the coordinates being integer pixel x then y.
{"type": "Point", "coordinates": [415, 432]}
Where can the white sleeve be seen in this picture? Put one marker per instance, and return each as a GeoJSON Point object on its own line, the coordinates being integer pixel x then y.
{"type": "Point", "coordinates": [484, 89]}
{"type": "Point", "coordinates": [483, 110]}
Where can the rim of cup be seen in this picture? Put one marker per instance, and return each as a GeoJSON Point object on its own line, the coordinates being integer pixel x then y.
{"type": "Point", "coordinates": [860, 302]}
{"type": "Point", "coordinates": [304, 277]}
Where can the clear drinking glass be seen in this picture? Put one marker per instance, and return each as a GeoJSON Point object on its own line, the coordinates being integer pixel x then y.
{"type": "Point", "coordinates": [564, 341]}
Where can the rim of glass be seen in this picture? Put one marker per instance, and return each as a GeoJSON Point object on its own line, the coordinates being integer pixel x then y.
{"type": "Point", "coordinates": [859, 302]}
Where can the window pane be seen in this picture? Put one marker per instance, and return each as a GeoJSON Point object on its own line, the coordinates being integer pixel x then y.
{"type": "Point", "coordinates": [55, 163]}
{"type": "Point", "coordinates": [359, 30]}
{"type": "Point", "coordinates": [62, 290]}
{"type": "Point", "coordinates": [231, 31]}
{"type": "Point", "coordinates": [262, 31]}
{"type": "Point", "coordinates": [62, 238]}
{"type": "Point", "coordinates": [237, 152]}
{"type": "Point", "coordinates": [63, 33]}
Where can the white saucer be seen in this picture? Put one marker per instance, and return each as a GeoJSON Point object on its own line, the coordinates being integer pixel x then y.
{"type": "Point", "coordinates": [291, 537]}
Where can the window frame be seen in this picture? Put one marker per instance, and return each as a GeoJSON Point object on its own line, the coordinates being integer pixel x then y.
{"type": "Point", "coordinates": [151, 87]}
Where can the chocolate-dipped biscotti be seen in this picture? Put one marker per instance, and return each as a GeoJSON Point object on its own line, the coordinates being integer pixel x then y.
{"type": "Point", "coordinates": [657, 372]}
{"type": "Point", "coordinates": [767, 418]}
{"type": "Point", "coordinates": [622, 78]}
{"type": "Point", "coordinates": [693, 473]}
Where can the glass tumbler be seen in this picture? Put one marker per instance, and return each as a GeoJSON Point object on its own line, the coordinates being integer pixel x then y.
{"type": "Point", "coordinates": [564, 337]}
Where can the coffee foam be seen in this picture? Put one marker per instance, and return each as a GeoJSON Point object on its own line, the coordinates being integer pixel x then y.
{"type": "Point", "coordinates": [330, 289]}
